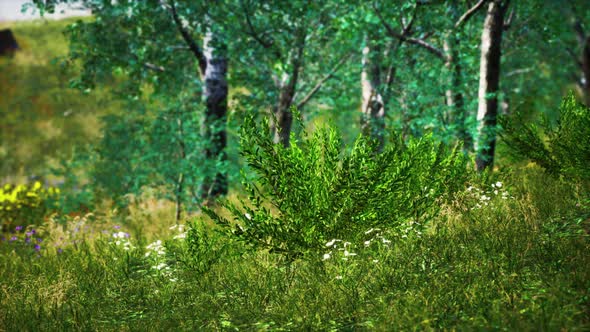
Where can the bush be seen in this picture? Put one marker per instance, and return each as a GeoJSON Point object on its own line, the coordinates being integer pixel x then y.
{"type": "Point", "coordinates": [562, 150]}
{"type": "Point", "coordinates": [25, 204]}
{"type": "Point", "coordinates": [316, 190]}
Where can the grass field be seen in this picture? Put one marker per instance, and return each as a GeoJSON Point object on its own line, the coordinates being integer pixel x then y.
{"type": "Point", "coordinates": [512, 256]}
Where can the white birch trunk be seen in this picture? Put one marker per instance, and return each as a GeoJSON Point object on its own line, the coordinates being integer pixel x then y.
{"type": "Point", "coordinates": [489, 80]}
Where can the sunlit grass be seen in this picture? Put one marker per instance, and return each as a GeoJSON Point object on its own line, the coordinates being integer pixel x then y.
{"type": "Point", "coordinates": [517, 263]}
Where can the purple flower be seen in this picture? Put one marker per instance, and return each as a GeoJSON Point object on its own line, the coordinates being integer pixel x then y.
{"type": "Point", "coordinates": [37, 247]}
{"type": "Point", "coordinates": [27, 240]}
{"type": "Point", "coordinates": [14, 238]}
{"type": "Point", "coordinates": [18, 228]}
{"type": "Point", "coordinates": [3, 238]}
{"type": "Point", "coordinates": [60, 250]}
{"type": "Point", "coordinates": [117, 226]}
{"type": "Point", "coordinates": [39, 240]}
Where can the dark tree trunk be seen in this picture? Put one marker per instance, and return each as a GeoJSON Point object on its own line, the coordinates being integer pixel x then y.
{"type": "Point", "coordinates": [213, 126]}
{"type": "Point", "coordinates": [586, 71]}
{"type": "Point", "coordinates": [372, 106]}
{"type": "Point", "coordinates": [281, 129]}
{"type": "Point", "coordinates": [489, 82]}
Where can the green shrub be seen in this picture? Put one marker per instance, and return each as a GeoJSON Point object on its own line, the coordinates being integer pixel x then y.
{"type": "Point", "coordinates": [561, 150]}
{"type": "Point", "coordinates": [317, 190]}
{"type": "Point", "coordinates": [25, 204]}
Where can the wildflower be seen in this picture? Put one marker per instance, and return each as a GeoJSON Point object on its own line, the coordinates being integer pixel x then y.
{"type": "Point", "coordinates": [338, 277]}
{"type": "Point", "coordinates": [180, 236]}
{"type": "Point", "coordinates": [37, 247]}
{"type": "Point", "coordinates": [386, 241]}
{"type": "Point", "coordinates": [331, 243]}
{"type": "Point", "coordinates": [161, 266]}
{"type": "Point", "coordinates": [121, 235]}
{"type": "Point", "coordinates": [116, 227]}
{"type": "Point", "coordinates": [18, 228]}
{"type": "Point", "coordinates": [326, 256]}
{"type": "Point", "coordinates": [375, 261]}
{"type": "Point", "coordinates": [248, 216]}
{"type": "Point", "coordinates": [173, 279]}
{"type": "Point", "coordinates": [14, 238]}
{"type": "Point", "coordinates": [367, 243]}
{"type": "Point", "coordinates": [347, 253]}
{"type": "Point", "coordinates": [346, 244]}
{"type": "Point", "coordinates": [499, 184]}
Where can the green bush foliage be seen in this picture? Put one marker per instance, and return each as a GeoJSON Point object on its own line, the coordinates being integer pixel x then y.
{"type": "Point", "coordinates": [563, 149]}
{"type": "Point", "coordinates": [25, 204]}
{"type": "Point", "coordinates": [317, 190]}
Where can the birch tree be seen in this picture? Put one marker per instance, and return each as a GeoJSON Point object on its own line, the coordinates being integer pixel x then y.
{"type": "Point", "coordinates": [489, 82]}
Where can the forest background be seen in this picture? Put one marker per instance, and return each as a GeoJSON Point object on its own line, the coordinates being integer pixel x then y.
{"type": "Point", "coordinates": [318, 121]}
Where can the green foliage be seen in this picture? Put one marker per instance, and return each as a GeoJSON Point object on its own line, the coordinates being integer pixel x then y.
{"type": "Point", "coordinates": [563, 149]}
{"type": "Point", "coordinates": [508, 265]}
{"type": "Point", "coordinates": [25, 204]}
{"type": "Point", "coordinates": [317, 190]}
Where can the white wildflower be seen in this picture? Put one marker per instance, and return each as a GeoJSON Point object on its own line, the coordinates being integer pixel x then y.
{"type": "Point", "coordinates": [331, 243]}
{"type": "Point", "coordinates": [326, 256]}
{"type": "Point", "coordinates": [120, 235]}
{"type": "Point", "coordinates": [248, 216]}
{"type": "Point", "coordinates": [347, 253]}
{"type": "Point", "coordinates": [180, 236]}
{"type": "Point", "coordinates": [338, 277]}
{"type": "Point", "coordinates": [499, 184]}
{"type": "Point", "coordinates": [367, 243]}
{"type": "Point", "coordinates": [161, 266]}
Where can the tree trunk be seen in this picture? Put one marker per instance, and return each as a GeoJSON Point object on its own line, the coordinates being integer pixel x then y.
{"type": "Point", "coordinates": [489, 81]}
{"type": "Point", "coordinates": [454, 96]}
{"type": "Point", "coordinates": [282, 111]}
{"type": "Point", "coordinates": [372, 106]}
{"type": "Point", "coordinates": [281, 129]}
{"type": "Point", "coordinates": [586, 71]}
{"type": "Point", "coordinates": [214, 122]}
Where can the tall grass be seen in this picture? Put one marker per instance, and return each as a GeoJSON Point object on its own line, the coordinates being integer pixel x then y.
{"type": "Point", "coordinates": [518, 263]}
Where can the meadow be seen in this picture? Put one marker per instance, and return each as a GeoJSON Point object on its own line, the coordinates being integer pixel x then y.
{"type": "Point", "coordinates": [503, 251]}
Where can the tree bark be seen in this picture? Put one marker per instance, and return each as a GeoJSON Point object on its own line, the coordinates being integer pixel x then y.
{"type": "Point", "coordinates": [586, 71]}
{"type": "Point", "coordinates": [454, 96]}
{"type": "Point", "coordinates": [372, 106]}
{"type": "Point", "coordinates": [214, 123]}
{"type": "Point", "coordinates": [283, 118]}
{"type": "Point", "coordinates": [489, 81]}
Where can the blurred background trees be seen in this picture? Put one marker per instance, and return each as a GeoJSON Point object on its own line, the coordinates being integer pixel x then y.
{"type": "Point", "coordinates": [164, 85]}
